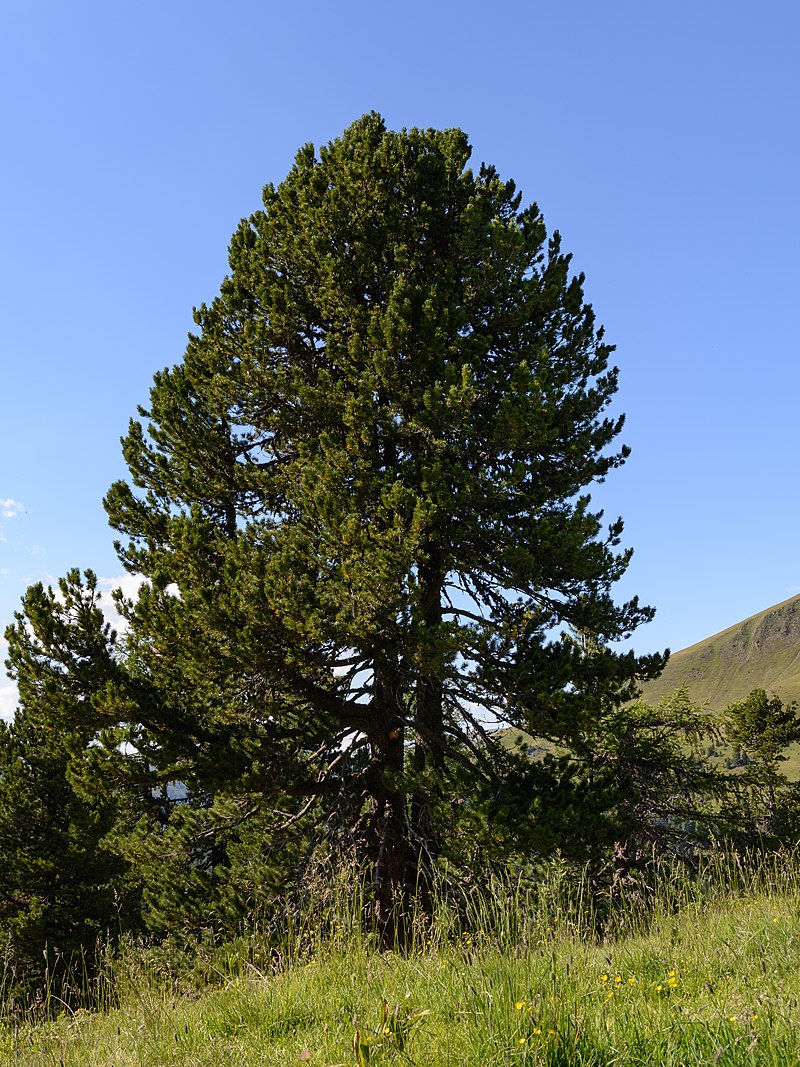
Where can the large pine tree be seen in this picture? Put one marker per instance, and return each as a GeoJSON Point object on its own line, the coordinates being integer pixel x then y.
{"type": "Point", "coordinates": [360, 506]}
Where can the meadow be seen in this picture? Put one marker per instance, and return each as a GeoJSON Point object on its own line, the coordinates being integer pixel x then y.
{"type": "Point", "coordinates": [704, 969]}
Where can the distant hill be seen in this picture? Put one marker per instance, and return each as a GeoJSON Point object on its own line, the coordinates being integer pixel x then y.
{"type": "Point", "coordinates": [761, 652]}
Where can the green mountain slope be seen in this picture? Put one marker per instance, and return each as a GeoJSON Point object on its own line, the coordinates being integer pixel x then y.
{"type": "Point", "coordinates": [761, 652]}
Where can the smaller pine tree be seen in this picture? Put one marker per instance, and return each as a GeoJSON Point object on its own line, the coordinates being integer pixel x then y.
{"type": "Point", "coordinates": [61, 890]}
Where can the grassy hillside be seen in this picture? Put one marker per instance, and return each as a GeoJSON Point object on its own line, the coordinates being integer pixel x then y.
{"type": "Point", "coordinates": [761, 652]}
{"type": "Point", "coordinates": [709, 974]}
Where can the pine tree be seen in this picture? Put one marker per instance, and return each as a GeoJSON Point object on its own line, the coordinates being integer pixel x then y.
{"type": "Point", "coordinates": [360, 506]}
{"type": "Point", "coordinates": [762, 728]}
{"type": "Point", "coordinates": [62, 892]}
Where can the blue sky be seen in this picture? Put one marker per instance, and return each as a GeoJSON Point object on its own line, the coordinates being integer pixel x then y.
{"type": "Point", "coordinates": [661, 140]}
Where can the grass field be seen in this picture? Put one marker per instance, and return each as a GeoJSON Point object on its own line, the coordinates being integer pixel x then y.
{"type": "Point", "coordinates": [708, 972]}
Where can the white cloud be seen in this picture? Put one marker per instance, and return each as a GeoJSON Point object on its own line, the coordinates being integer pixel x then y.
{"type": "Point", "coordinates": [8, 689]}
{"type": "Point", "coordinates": [9, 508]}
{"type": "Point", "coordinates": [129, 584]}
{"type": "Point", "coordinates": [8, 701]}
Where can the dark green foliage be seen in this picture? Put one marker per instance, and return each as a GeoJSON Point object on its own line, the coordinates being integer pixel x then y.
{"type": "Point", "coordinates": [763, 726]}
{"type": "Point", "coordinates": [669, 797]}
{"type": "Point", "coordinates": [660, 751]}
{"type": "Point", "coordinates": [360, 505]}
{"type": "Point", "coordinates": [60, 890]}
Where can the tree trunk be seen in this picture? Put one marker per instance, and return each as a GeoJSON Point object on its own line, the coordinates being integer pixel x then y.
{"type": "Point", "coordinates": [429, 721]}
{"type": "Point", "coordinates": [390, 852]}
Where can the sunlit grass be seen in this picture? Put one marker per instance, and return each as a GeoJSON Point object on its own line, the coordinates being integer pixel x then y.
{"type": "Point", "coordinates": [709, 973]}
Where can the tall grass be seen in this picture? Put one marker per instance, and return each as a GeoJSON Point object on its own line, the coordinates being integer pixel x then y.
{"type": "Point", "coordinates": [699, 967]}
